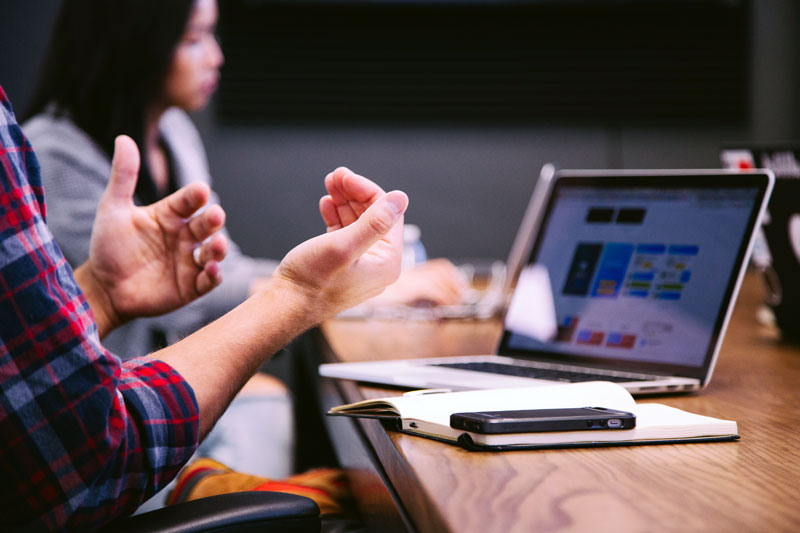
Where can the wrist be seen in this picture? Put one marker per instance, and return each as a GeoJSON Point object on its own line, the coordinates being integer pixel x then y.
{"type": "Point", "coordinates": [100, 302]}
{"type": "Point", "coordinates": [304, 306]}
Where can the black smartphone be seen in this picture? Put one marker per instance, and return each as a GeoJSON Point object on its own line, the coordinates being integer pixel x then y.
{"type": "Point", "coordinates": [536, 420]}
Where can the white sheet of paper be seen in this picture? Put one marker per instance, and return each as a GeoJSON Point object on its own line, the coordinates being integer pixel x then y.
{"type": "Point", "coordinates": [532, 310]}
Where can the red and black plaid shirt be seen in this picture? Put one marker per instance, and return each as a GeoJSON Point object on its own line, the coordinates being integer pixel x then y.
{"type": "Point", "coordinates": [84, 438]}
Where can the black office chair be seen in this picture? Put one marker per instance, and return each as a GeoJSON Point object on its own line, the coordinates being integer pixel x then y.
{"type": "Point", "coordinates": [238, 511]}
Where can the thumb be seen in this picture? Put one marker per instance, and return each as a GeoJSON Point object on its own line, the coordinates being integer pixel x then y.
{"type": "Point", "coordinates": [124, 169]}
{"type": "Point", "coordinates": [375, 223]}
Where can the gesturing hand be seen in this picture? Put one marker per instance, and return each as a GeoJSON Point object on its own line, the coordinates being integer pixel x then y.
{"type": "Point", "coordinates": [149, 260]}
{"type": "Point", "coordinates": [359, 255]}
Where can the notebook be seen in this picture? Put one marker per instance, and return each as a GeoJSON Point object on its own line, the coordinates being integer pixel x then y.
{"type": "Point", "coordinates": [428, 415]}
{"type": "Point", "coordinates": [642, 268]}
{"type": "Point", "coordinates": [777, 249]}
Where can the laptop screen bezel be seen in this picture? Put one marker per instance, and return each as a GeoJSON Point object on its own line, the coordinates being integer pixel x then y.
{"type": "Point", "coordinates": [694, 179]}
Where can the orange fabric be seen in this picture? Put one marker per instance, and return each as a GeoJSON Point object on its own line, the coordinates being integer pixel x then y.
{"type": "Point", "coordinates": [206, 477]}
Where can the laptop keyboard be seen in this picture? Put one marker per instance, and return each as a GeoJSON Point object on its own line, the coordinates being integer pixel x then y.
{"type": "Point", "coordinates": [540, 373]}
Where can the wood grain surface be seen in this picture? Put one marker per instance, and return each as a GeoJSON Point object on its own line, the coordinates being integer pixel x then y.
{"type": "Point", "coordinates": [749, 485]}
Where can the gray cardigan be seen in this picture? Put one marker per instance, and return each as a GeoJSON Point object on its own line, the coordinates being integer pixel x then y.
{"type": "Point", "coordinates": [75, 172]}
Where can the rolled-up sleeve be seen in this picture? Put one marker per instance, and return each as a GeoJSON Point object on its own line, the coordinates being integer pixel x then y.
{"type": "Point", "coordinates": [151, 431]}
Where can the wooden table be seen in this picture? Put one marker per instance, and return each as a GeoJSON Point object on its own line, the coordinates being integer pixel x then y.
{"type": "Point", "coordinates": [404, 482]}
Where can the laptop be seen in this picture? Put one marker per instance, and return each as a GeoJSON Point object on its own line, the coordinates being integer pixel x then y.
{"type": "Point", "coordinates": [643, 269]}
{"type": "Point", "coordinates": [776, 252]}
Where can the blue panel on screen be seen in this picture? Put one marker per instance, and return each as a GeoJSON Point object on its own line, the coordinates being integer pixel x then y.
{"type": "Point", "coordinates": [652, 249]}
{"type": "Point", "coordinates": [611, 273]}
{"type": "Point", "coordinates": [669, 296]}
{"type": "Point", "coordinates": [684, 250]}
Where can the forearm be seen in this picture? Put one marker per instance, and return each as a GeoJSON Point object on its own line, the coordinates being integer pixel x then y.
{"type": "Point", "coordinates": [218, 359]}
{"type": "Point", "coordinates": [316, 279]}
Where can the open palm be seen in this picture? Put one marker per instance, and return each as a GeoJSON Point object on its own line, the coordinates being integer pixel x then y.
{"type": "Point", "coordinates": [145, 257]}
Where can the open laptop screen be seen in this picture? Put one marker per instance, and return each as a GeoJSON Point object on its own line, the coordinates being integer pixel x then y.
{"type": "Point", "coordinates": [642, 268]}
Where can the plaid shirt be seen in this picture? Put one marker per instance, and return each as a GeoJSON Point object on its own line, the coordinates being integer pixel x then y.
{"type": "Point", "coordinates": [83, 438]}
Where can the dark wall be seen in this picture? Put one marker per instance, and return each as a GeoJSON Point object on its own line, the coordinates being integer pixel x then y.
{"type": "Point", "coordinates": [24, 31]}
{"type": "Point", "coordinates": [468, 184]}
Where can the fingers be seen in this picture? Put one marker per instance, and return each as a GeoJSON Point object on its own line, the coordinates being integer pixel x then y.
{"type": "Point", "coordinates": [124, 170]}
{"type": "Point", "coordinates": [329, 213]}
{"type": "Point", "coordinates": [184, 202]}
{"type": "Point", "coordinates": [207, 257]}
{"type": "Point", "coordinates": [209, 277]}
{"type": "Point", "coordinates": [351, 194]}
{"type": "Point", "coordinates": [345, 185]}
{"type": "Point", "coordinates": [435, 293]}
{"type": "Point", "coordinates": [445, 274]}
{"type": "Point", "coordinates": [377, 222]}
{"type": "Point", "coordinates": [173, 212]}
{"type": "Point", "coordinates": [437, 282]}
{"type": "Point", "coordinates": [449, 294]}
{"type": "Point", "coordinates": [207, 223]}
{"type": "Point", "coordinates": [345, 211]}
{"type": "Point", "coordinates": [213, 250]}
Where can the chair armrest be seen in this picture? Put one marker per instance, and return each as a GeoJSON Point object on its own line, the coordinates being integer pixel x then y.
{"type": "Point", "coordinates": [237, 511]}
